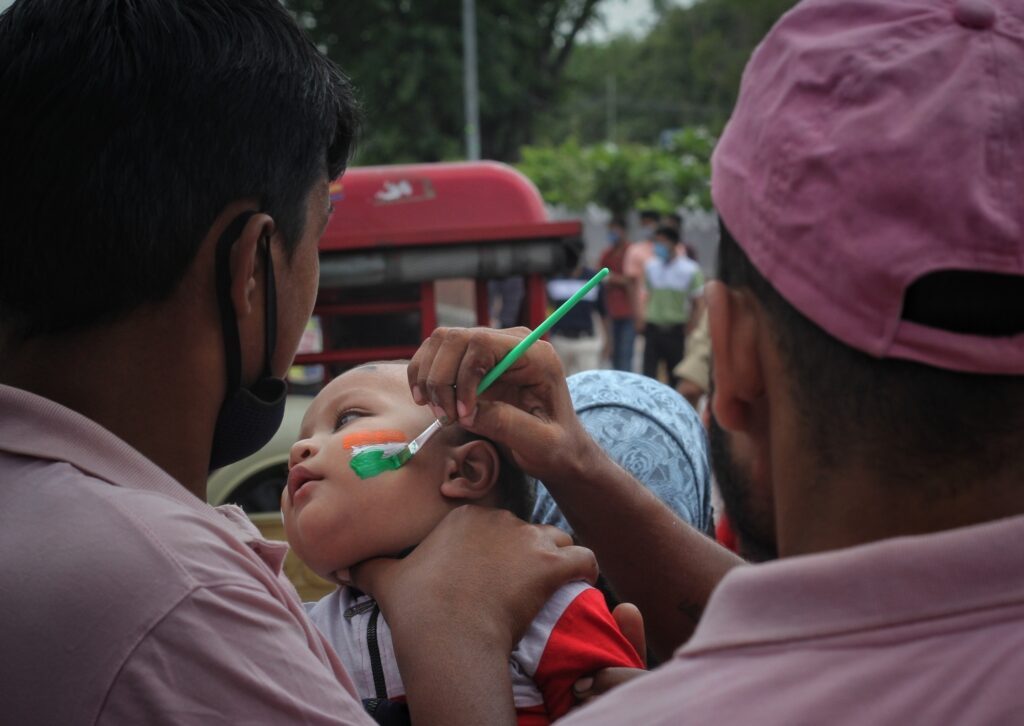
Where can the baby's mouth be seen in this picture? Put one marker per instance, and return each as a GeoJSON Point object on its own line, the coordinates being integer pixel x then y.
{"type": "Point", "coordinates": [297, 478]}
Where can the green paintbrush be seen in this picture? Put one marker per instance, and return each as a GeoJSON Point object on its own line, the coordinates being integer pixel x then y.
{"type": "Point", "coordinates": [373, 460]}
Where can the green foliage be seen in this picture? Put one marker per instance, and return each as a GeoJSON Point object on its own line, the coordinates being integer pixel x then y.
{"type": "Point", "coordinates": [685, 72]}
{"type": "Point", "coordinates": [562, 173]}
{"type": "Point", "coordinates": [621, 177]}
{"type": "Point", "coordinates": [538, 84]}
{"type": "Point", "coordinates": [405, 59]}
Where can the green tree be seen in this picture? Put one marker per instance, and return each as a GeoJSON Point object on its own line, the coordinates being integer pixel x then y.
{"type": "Point", "coordinates": [405, 57]}
{"type": "Point", "coordinates": [620, 177]}
{"type": "Point", "coordinates": [685, 72]}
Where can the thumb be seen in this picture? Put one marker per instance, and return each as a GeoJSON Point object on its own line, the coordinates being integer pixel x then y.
{"type": "Point", "coordinates": [627, 616]}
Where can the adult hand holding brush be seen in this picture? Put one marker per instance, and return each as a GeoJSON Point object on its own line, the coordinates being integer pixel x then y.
{"type": "Point", "coordinates": [649, 555]}
{"type": "Point", "coordinates": [527, 410]}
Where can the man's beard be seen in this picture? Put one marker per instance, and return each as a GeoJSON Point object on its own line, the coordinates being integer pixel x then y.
{"type": "Point", "coordinates": [756, 542]}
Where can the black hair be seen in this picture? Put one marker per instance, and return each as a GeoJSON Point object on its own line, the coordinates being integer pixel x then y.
{"type": "Point", "coordinates": [668, 233]}
{"type": "Point", "coordinates": [649, 215]}
{"type": "Point", "coordinates": [617, 222]}
{"type": "Point", "coordinates": [126, 127]}
{"type": "Point", "coordinates": [677, 223]}
{"type": "Point", "coordinates": [892, 414]}
{"type": "Point", "coordinates": [517, 492]}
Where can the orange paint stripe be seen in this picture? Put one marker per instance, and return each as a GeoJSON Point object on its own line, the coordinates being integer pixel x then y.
{"type": "Point", "coordinates": [366, 438]}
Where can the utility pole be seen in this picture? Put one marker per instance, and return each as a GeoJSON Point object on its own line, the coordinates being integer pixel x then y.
{"type": "Point", "coordinates": [611, 107]}
{"type": "Point", "coordinates": [469, 77]}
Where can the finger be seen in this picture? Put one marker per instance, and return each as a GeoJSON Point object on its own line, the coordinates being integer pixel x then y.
{"type": "Point", "coordinates": [518, 331]}
{"type": "Point", "coordinates": [539, 363]}
{"type": "Point", "coordinates": [576, 563]}
{"type": "Point", "coordinates": [484, 351]}
{"type": "Point", "coordinates": [557, 537]}
{"type": "Point", "coordinates": [583, 689]}
{"type": "Point", "coordinates": [603, 681]}
{"type": "Point", "coordinates": [444, 370]}
{"type": "Point", "coordinates": [419, 366]}
{"type": "Point", "coordinates": [627, 616]}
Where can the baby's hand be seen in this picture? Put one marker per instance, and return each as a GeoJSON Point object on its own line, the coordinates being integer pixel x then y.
{"type": "Point", "coordinates": [631, 623]}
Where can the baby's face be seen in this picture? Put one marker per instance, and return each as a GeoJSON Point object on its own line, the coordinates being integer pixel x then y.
{"type": "Point", "coordinates": [334, 519]}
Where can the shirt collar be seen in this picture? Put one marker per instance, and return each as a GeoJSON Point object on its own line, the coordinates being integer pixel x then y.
{"type": "Point", "coordinates": [893, 582]}
{"type": "Point", "coordinates": [37, 427]}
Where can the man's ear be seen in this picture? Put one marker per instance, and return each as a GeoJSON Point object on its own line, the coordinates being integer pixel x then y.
{"type": "Point", "coordinates": [738, 372]}
{"type": "Point", "coordinates": [471, 470]}
{"type": "Point", "coordinates": [246, 264]}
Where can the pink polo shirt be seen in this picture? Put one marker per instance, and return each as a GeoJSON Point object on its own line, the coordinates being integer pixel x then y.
{"type": "Point", "coordinates": [633, 263]}
{"type": "Point", "coordinates": [914, 630]}
{"type": "Point", "coordinates": [125, 599]}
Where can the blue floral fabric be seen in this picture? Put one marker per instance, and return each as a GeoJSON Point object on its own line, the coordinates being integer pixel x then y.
{"type": "Point", "coordinates": [649, 430]}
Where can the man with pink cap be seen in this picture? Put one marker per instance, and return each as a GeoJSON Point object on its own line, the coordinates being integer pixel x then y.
{"type": "Point", "coordinates": [868, 342]}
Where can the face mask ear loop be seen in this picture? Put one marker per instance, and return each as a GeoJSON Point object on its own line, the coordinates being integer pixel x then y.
{"type": "Point", "coordinates": [270, 308]}
{"type": "Point", "coordinates": [228, 319]}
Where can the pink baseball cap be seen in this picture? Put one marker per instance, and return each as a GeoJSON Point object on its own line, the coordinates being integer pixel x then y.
{"type": "Point", "coordinates": [875, 142]}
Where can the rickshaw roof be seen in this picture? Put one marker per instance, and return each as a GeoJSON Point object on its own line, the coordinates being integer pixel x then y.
{"type": "Point", "coordinates": [437, 204]}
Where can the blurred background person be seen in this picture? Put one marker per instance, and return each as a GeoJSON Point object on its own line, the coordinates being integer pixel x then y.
{"type": "Point", "coordinates": [620, 326]}
{"type": "Point", "coordinates": [675, 284]}
{"type": "Point", "coordinates": [694, 371]}
{"type": "Point", "coordinates": [506, 296]}
{"type": "Point", "coordinates": [637, 255]}
{"type": "Point", "coordinates": [650, 220]}
{"type": "Point", "coordinates": [675, 221]}
{"type": "Point", "coordinates": [578, 337]}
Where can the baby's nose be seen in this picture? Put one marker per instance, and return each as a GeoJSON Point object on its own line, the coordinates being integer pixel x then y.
{"type": "Point", "coordinates": [300, 451]}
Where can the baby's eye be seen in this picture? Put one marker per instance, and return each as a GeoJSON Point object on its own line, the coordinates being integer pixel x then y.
{"type": "Point", "coordinates": [346, 417]}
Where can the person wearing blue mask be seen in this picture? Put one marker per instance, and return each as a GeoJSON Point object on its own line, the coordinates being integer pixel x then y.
{"type": "Point", "coordinates": [620, 328]}
{"type": "Point", "coordinates": [674, 284]}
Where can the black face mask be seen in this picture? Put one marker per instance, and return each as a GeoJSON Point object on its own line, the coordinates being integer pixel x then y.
{"type": "Point", "coordinates": [249, 417]}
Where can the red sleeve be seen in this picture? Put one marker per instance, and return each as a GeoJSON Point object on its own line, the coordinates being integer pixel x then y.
{"type": "Point", "coordinates": [724, 534]}
{"type": "Point", "coordinates": [584, 640]}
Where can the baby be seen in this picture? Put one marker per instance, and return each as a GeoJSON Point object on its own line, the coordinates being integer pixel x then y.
{"type": "Point", "coordinates": [334, 520]}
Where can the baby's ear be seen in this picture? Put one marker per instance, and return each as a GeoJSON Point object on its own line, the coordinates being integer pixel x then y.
{"type": "Point", "coordinates": [471, 470]}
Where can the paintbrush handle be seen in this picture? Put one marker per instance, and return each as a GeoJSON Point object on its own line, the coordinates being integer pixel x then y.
{"type": "Point", "coordinates": [516, 353]}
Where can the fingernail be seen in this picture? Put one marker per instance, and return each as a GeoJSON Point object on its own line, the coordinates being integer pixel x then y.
{"type": "Point", "coordinates": [461, 408]}
{"type": "Point", "coordinates": [583, 685]}
{"type": "Point", "coordinates": [417, 394]}
{"type": "Point", "coordinates": [438, 411]}
{"type": "Point", "coordinates": [467, 419]}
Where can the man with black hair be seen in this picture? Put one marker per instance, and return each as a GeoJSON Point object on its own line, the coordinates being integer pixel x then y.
{"type": "Point", "coordinates": [868, 407]}
{"type": "Point", "coordinates": [649, 223]}
{"type": "Point", "coordinates": [674, 287]}
{"type": "Point", "coordinates": [675, 221]}
{"type": "Point", "coordinates": [165, 183]}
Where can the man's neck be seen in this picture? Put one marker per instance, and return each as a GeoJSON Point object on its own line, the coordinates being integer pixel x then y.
{"type": "Point", "coordinates": [844, 509]}
{"type": "Point", "coordinates": [140, 382]}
